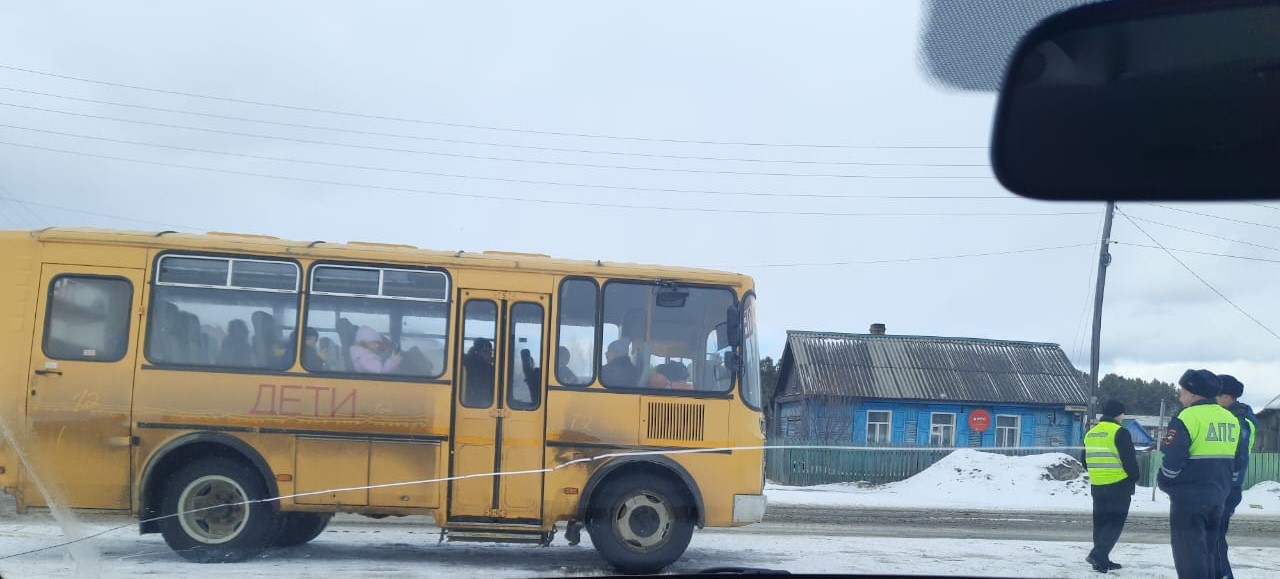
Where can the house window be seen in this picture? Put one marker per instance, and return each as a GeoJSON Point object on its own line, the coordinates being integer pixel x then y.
{"type": "Point", "coordinates": [942, 429]}
{"type": "Point", "coordinates": [1008, 427]}
{"type": "Point", "coordinates": [878, 422]}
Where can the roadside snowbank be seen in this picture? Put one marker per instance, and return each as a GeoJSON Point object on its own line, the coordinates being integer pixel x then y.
{"type": "Point", "coordinates": [971, 479]}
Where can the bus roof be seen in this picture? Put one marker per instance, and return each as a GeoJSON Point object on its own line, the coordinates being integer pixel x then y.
{"type": "Point", "coordinates": [377, 252]}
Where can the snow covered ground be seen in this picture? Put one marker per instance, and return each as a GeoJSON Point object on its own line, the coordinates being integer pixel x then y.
{"type": "Point", "coordinates": [970, 479]}
{"type": "Point", "coordinates": [403, 549]}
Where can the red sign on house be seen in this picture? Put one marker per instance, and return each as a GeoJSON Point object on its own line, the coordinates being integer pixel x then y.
{"type": "Point", "coordinates": [979, 420]}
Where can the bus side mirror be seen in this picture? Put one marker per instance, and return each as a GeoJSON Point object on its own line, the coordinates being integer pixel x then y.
{"type": "Point", "coordinates": [733, 325]}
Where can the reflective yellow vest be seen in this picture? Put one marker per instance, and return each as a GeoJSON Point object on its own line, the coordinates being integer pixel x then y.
{"type": "Point", "coordinates": [1214, 431]}
{"type": "Point", "coordinates": [1101, 455]}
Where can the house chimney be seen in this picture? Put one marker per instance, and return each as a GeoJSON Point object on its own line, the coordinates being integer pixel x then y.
{"type": "Point", "coordinates": [877, 329]}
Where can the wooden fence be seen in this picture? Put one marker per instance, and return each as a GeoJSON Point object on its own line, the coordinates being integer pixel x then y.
{"type": "Point", "coordinates": [822, 462]}
{"type": "Point", "coordinates": [1263, 466]}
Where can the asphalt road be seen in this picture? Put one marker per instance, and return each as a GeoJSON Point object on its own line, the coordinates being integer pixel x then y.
{"type": "Point", "coordinates": [962, 524]}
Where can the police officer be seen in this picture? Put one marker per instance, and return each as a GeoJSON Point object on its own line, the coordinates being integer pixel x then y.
{"type": "Point", "coordinates": [1232, 389]}
{"type": "Point", "coordinates": [1200, 458]}
{"type": "Point", "coordinates": [1113, 474]}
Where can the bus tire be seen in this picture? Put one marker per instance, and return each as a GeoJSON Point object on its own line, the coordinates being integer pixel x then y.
{"type": "Point", "coordinates": [209, 516]}
{"type": "Point", "coordinates": [295, 529]}
{"type": "Point", "coordinates": [641, 523]}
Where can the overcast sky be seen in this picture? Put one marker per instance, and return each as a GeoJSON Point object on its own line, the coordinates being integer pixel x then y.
{"type": "Point", "coordinates": [776, 73]}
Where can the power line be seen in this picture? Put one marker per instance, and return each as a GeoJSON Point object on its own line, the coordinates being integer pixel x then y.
{"type": "Point", "coordinates": [1202, 280]}
{"type": "Point", "coordinates": [1245, 257]}
{"type": "Point", "coordinates": [470, 126]}
{"type": "Point", "coordinates": [911, 259]}
{"type": "Point", "coordinates": [485, 143]}
{"type": "Point", "coordinates": [717, 210]}
{"type": "Point", "coordinates": [97, 214]}
{"type": "Point", "coordinates": [1210, 215]}
{"type": "Point", "coordinates": [488, 157]}
{"type": "Point", "coordinates": [1078, 336]}
{"type": "Point", "coordinates": [1265, 206]}
{"type": "Point", "coordinates": [499, 179]}
{"type": "Point", "coordinates": [1205, 233]}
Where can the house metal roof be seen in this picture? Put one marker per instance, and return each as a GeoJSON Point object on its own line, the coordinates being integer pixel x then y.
{"type": "Point", "coordinates": [928, 368]}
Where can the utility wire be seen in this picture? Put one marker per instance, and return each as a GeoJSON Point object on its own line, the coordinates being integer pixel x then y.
{"type": "Point", "coordinates": [1204, 233]}
{"type": "Point", "coordinates": [501, 179]}
{"type": "Point", "coordinates": [97, 214]}
{"type": "Point", "coordinates": [1212, 216]}
{"type": "Point", "coordinates": [483, 143]}
{"type": "Point", "coordinates": [717, 210]}
{"type": "Point", "coordinates": [1192, 251]}
{"type": "Point", "coordinates": [488, 157]}
{"type": "Point", "coordinates": [911, 259]}
{"type": "Point", "coordinates": [1202, 280]}
{"type": "Point", "coordinates": [468, 126]}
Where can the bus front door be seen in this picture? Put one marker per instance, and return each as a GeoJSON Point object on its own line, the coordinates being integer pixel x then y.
{"type": "Point", "coordinates": [81, 386]}
{"type": "Point", "coordinates": [498, 429]}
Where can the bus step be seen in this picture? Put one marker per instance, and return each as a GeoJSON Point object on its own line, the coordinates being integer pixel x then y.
{"type": "Point", "coordinates": [473, 536]}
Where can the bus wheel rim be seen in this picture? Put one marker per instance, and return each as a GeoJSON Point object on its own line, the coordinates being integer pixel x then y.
{"type": "Point", "coordinates": [644, 521]}
{"type": "Point", "coordinates": [213, 509]}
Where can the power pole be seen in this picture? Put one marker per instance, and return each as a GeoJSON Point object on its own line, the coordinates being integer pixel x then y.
{"type": "Point", "coordinates": [1104, 259]}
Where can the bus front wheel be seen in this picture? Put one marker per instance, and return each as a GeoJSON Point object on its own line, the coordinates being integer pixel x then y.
{"type": "Point", "coordinates": [211, 513]}
{"type": "Point", "coordinates": [641, 523]}
{"type": "Point", "coordinates": [295, 529]}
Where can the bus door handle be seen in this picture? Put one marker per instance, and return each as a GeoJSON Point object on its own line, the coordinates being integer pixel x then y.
{"type": "Point", "coordinates": [48, 372]}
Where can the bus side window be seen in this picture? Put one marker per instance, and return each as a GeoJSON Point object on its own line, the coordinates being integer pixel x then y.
{"type": "Point", "coordinates": [88, 318]}
{"type": "Point", "coordinates": [576, 333]}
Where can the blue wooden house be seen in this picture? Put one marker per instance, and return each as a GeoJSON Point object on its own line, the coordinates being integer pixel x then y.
{"type": "Point", "coordinates": [877, 389]}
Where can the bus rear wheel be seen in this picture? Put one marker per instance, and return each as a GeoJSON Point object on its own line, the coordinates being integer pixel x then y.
{"type": "Point", "coordinates": [211, 516]}
{"type": "Point", "coordinates": [641, 523]}
{"type": "Point", "coordinates": [295, 529]}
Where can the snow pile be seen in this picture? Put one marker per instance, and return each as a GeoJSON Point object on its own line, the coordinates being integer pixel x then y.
{"type": "Point", "coordinates": [971, 479]}
{"type": "Point", "coordinates": [963, 479]}
{"type": "Point", "coordinates": [1263, 497]}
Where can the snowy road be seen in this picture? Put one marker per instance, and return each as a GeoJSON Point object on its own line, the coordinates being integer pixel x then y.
{"type": "Point", "coordinates": [798, 539]}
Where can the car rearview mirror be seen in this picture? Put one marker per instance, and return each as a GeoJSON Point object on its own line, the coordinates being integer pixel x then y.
{"type": "Point", "coordinates": [1144, 100]}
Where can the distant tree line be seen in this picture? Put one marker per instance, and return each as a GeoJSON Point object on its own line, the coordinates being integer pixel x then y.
{"type": "Point", "coordinates": [1139, 396]}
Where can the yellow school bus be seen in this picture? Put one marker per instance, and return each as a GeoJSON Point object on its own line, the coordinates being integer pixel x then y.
{"type": "Point", "coordinates": [184, 377]}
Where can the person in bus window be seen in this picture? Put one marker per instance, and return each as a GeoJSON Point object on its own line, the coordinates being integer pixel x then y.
{"type": "Point", "coordinates": [672, 374]}
{"type": "Point", "coordinates": [563, 373]}
{"type": "Point", "coordinates": [236, 350]}
{"type": "Point", "coordinates": [618, 369]}
{"type": "Point", "coordinates": [478, 362]}
{"type": "Point", "coordinates": [374, 354]}
{"type": "Point", "coordinates": [311, 357]}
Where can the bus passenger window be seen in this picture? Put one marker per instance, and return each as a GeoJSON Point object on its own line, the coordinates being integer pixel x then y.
{"type": "Point", "coordinates": [576, 333]}
{"type": "Point", "coordinates": [479, 329]}
{"type": "Point", "coordinates": [88, 318]}
{"type": "Point", "coordinates": [223, 312]}
{"type": "Point", "coordinates": [371, 320]}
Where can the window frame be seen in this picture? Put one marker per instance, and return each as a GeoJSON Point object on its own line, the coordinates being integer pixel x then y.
{"type": "Point", "coordinates": [1017, 430]}
{"type": "Point", "coordinates": [153, 278]}
{"type": "Point", "coordinates": [597, 335]}
{"type": "Point", "coordinates": [439, 377]}
{"type": "Point", "coordinates": [48, 309]}
{"type": "Point", "coordinates": [888, 424]}
{"type": "Point", "coordinates": [672, 392]}
{"type": "Point", "coordinates": [952, 425]}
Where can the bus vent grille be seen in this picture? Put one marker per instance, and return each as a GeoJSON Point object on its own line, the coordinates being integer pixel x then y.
{"type": "Point", "coordinates": [676, 421]}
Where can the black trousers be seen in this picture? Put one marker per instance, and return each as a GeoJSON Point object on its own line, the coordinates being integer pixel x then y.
{"type": "Point", "coordinates": [1223, 564]}
{"type": "Point", "coordinates": [1110, 511]}
{"type": "Point", "coordinates": [1193, 529]}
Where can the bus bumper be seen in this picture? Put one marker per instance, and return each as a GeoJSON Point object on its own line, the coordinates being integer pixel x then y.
{"type": "Point", "coordinates": [748, 509]}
